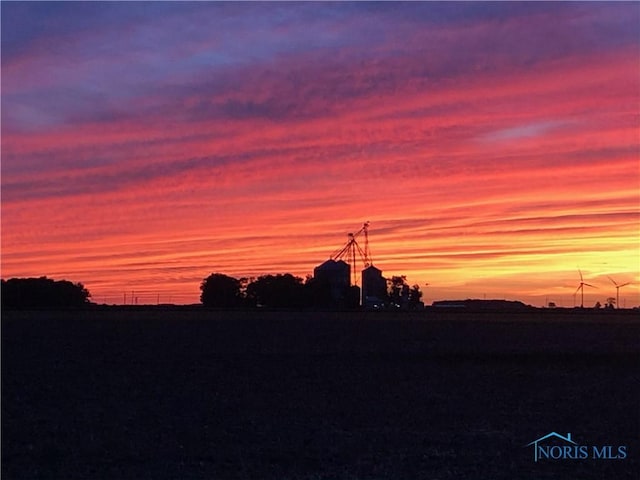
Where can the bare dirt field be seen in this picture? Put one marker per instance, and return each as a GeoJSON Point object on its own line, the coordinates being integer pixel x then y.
{"type": "Point", "coordinates": [188, 393]}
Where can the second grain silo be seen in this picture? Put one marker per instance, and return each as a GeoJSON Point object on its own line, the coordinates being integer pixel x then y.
{"type": "Point", "coordinates": [374, 287]}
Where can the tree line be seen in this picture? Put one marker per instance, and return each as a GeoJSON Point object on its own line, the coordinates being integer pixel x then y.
{"type": "Point", "coordinates": [288, 291]}
{"type": "Point", "coordinates": [42, 292]}
{"type": "Point", "coordinates": [221, 291]}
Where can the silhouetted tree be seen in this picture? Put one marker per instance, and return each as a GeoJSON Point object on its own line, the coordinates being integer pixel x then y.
{"type": "Point", "coordinates": [415, 294]}
{"type": "Point", "coordinates": [277, 291]}
{"type": "Point", "coordinates": [42, 292]}
{"type": "Point", "coordinates": [398, 290]}
{"type": "Point", "coordinates": [219, 290]}
{"type": "Point", "coordinates": [401, 295]}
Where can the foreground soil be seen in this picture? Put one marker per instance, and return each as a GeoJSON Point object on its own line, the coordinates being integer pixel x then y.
{"type": "Point", "coordinates": [190, 393]}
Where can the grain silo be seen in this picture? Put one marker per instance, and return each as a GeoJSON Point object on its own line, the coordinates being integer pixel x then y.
{"type": "Point", "coordinates": [374, 287]}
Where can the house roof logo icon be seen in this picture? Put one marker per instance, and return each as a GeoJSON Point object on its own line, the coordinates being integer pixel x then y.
{"type": "Point", "coordinates": [545, 437]}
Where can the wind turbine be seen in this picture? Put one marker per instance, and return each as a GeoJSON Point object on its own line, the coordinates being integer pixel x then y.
{"type": "Point", "coordinates": [581, 288]}
{"type": "Point", "coordinates": [618, 287]}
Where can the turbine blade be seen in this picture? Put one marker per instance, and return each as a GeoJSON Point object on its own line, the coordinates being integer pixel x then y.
{"type": "Point", "coordinates": [580, 272]}
{"type": "Point", "coordinates": [623, 285]}
{"type": "Point", "coordinates": [612, 280]}
{"type": "Point", "coordinates": [588, 285]}
{"type": "Point", "coordinates": [577, 289]}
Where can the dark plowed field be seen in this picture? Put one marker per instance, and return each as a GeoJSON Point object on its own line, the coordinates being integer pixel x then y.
{"type": "Point", "coordinates": [188, 393]}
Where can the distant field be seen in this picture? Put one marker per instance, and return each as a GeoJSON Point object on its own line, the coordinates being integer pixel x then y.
{"type": "Point", "coordinates": [189, 393]}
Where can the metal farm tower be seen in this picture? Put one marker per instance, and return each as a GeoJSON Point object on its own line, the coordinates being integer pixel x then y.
{"type": "Point", "coordinates": [342, 268]}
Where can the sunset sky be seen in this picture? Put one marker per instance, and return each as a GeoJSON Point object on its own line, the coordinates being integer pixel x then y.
{"type": "Point", "coordinates": [494, 147]}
